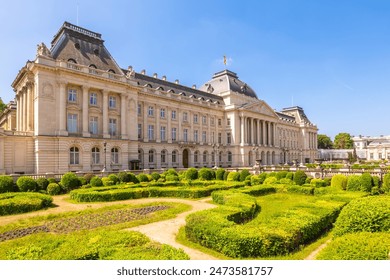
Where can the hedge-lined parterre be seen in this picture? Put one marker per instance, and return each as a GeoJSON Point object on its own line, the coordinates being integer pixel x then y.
{"type": "Point", "coordinates": [14, 203]}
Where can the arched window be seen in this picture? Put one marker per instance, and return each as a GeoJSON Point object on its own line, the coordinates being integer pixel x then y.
{"type": "Point", "coordinates": [111, 71]}
{"type": "Point", "coordinates": [74, 155]}
{"type": "Point", "coordinates": [71, 60]}
{"type": "Point", "coordinates": [95, 155]}
{"type": "Point", "coordinates": [92, 66]}
{"type": "Point", "coordinates": [205, 156]}
{"type": "Point", "coordinates": [114, 156]}
{"type": "Point", "coordinates": [196, 156]}
{"type": "Point", "coordinates": [151, 156]}
{"type": "Point", "coordinates": [230, 157]}
{"type": "Point", "coordinates": [174, 157]}
{"type": "Point", "coordinates": [163, 156]}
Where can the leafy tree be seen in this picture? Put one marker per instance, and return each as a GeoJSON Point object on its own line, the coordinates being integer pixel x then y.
{"type": "Point", "coordinates": [343, 140]}
{"type": "Point", "coordinates": [324, 142]}
{"type": "Point", "coordinates": [2, 105]}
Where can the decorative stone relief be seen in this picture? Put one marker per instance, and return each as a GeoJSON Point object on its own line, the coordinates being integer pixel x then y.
{"type": "Point", "coordinates": [42, 50]}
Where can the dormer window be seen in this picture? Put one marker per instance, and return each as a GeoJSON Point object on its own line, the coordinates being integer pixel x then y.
{"type": "Point", "coordinates": [96, 51]}
{"type": "Point", "coordinates": [93, 66]}
{"type": "Point", "coordinates": [71, 60]}
{"type": "Point", "coordinates": [77, 46]}
{"type": "Point", "coordinates": [111, 71]}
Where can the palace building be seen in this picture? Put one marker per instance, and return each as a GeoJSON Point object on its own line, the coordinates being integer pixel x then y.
{"type": "Point", "coordinates": [75, 109]}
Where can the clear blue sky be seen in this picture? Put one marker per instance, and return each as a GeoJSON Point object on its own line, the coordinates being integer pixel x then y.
{"type": "Point", "coordinates": [330, 57]}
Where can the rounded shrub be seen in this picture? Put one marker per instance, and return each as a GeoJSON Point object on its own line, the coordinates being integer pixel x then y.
{"type": "Point", "coordinates": [233, 176]}
{"type": "Point", "coordinates": [172, 171]}
{"type": "Point", "coordinates": [142, 177]}
{"type": "Point", "coordinates": [6, 184]}
{"type": "Point", "coordinates": [300, 177]}
{"type": "Point", "coordinates": [107, 182]}
{"type": "Point", "coordinates": [270, 180]}
{"type": "Point", "coordinates": [82, 181]}
{"type": "Point", "coordinates": [172, 178]}
{"type": "Point", "coordinates": [42, 183]}
{"type": "Point", "coordinates": [191, 174]}
{"type": "Point", "coordinates": [114, 178]}
{"type": "Point", "coordinates": [133, 178]}
{"type": "Point", "coordinates": [26, 184]}
{"type": "Point", "coordinates": [366, 182]}
{"type": "Point", "coordinates": [386, 183]}
{"type": "Point", "coordinates": [205, 174]}
{"type": "Point", "coordinates": [317, 183]}
{"type": "Point", "coordinates": [88, 177]}
{"type": "Point", "coordinates": [96, 182]}
{"type": "Point", "coordinates": [219, 173]}
{"type": "Point", "coordinates": [123, 177]}
{"type": "Point", "coordinates": [339, 181]}
{"type": "Point", "coordinates": [281, 174]}
{"type": "Point", "coordinates": [290, 175]}
{"type": "Point", "coordinates": [308, 180]}
{"type": "Point", "coordinates": [375, 181]}
{"type": "Point", "coordinates": [155, 176]}
{"type": "Point", "coordinates": [353, 183]}
{"type": "Point", "coordinates": [53, 189]}
{"type": "Point", "coordinates": [70, 181]}
{"type": "Point", "coordinates": [52, 180]}
{"type": "Point", "coordinates": [243, 174]}
{"type": "Point", "coordinates": [225, 175]}
{"type": "Point", "coordinates": [286, 181]}
{"type": "Point", "coordinates": [271, 174]}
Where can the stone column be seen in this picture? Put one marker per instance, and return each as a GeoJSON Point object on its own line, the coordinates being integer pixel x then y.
{"type": "Point", "coordinates": [252, 132]}
{"type": "Point", "coordinates": [124, 134]}
{"type": "Point", "coordinates": [264, 133]}
{"type": "Point", "coordinates": [24, 109]}
{"type": "Point", "coordinates": [258, 132]}
{"type": "Point", "coordinates": [145, 122]}
{"type": "Point", "coordinates": [208, 129]}
{"type": "Point", "coordinates": [158, 128]}
{"type": "Point", "coordinates": [18, 109]}
{"type": "Point", "coordinates": [85, 112]}
{"type": "Point", "coordinates": [169, 127]}
{"type": "Point", "coordinates": [63, 102]}
{"type": "Point", "coordinates": [105, 114]}
{"type": "Point", "coordinates": [29, 106]}
{"type": "Point", "coordinates": [242, 119]}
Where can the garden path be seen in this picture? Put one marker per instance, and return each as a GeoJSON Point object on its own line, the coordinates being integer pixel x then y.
{"type": "Point", "coordinates": [163, 231]}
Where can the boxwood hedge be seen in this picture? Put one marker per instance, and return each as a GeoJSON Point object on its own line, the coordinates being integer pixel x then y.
{"type": "Point", "coordinates": [15, 203]}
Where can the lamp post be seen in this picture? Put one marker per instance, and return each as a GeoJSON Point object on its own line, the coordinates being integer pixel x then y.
{"type": "Point", "coordinates": [105, 156]}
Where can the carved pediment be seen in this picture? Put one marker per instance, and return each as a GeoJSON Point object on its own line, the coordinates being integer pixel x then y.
{"type": "Point", "coordinates": [260, 107]}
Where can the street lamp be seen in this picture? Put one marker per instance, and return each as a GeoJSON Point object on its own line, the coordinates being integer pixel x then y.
{"type": "Point", "coordinates": [105, 156]}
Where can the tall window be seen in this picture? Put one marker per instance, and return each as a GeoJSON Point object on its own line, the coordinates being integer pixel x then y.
{"type": "Point", "coordinates": [162, 133]}
{"type": "Point", "coordinates": [151, 132]}
{"type": "Point", "coordinates": [93, 125]}
{"type": "Point", "coordinates": [196, 136]}
{"type": "Point", "coordinates": [229, 157]}
{"type": "Point", "coordinates": [174, 156]}
{"type": "Point", "coordinates": [212, 121]}
{"type": "Point", "coordinates": [93, 99]}
{"type": "Point", "coordinates": [204, 120]}
{"type": "Point", "coordinates": [185, 135]}
{"type": "Point", "coordinates": [162, 113]}
{"type": "Point", "coordinates": [163, 156]}
{"type": "Point", "coordinates": [212, 137]}
{"type": "Point", "coordinates": [213, 157]}
{"type": "Point", "coordinates": [219, 138]}
{"type": "Point", "coordinates": [151, 156]}
{"type": "Point", "coordinates": [150, 111]}
{"type": "Point", "coordinates": [95, 155]}
{"type": "Point", "coordinates": [219, 122]}
{"type": "Point", "coordinates": [196, 156]}
{"type": "Point", "coordinates": [228, 138]}
{"type": "Point", "coordinates": [173, 114]}
{"type": "Point", "coordinates": [228, 122]}
{"type": "Point", "coordinates": [72, 123]}
{"type": "Point", "coordinates": [220, 157]}
{"type": "Point", "coordinates": [195, 118]}
{"type": "Point", "coordinates": [112, 127]}
{"type": "Point", "coordinates": [72, 95]}
{"type": "Point", "coordinates": [204, 137]}
{"type": "Point", "coordinates": [174, 134]}
{"type": "Point", "coordinates": [112, 102]}
{"type": "Point", "coordinates": [185, 116]}
{"type": "Point", "coordinates": [74, 155]}
{"type": "Point", "coordinates": [139, 131]}
{"type": "Point", "coordinates": [204, 156]}
{"type": "Point", "coordinates": [139, 109]}
{"type": "Point", "coordinates": [114, 156]}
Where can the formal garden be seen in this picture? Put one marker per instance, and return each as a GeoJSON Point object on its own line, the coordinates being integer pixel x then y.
{"type": "Point", "coordinates": [273, 215]}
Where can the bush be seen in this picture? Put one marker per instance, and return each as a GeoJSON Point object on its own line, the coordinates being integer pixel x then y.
{"type": "Point", "coordinates": [327, 181]}
{"type": "Point", "coordinates": [368, 214]}
{"type": "Point", "coordinates": [219, 174]}
{"type": "Point", "coordinates": [114, 178]}
{"type": "Point", "coordinates": [107, 182]}
{"type": "Point", "coordinates": [172, 171]}
{"type": "Point", "coordinates": [308, 180]}
{"type": "Point", "coordinates": [88, 177]}
{"type": "Point", "coordinates": [191, 174]}
{"type": "Point", "coordinates": [155, 176]}
{"type": "Point", "coordinates": [26, 184]}
{"type": "Point", "coordinates": [53, 189]}
{"type": "Point", "coordinates": [386, 183]}
{"type": "Point", "coordinates": [205, 174]}
{"type": "Point", "coordinates": [69, 181]}
{"type": "Point", "coordinates": [281, 174]}
{"type": "Point", "coordinates": [124, 177]}
{"type": "Point", "coordinates": [172, 178]}
{"type": "Point", "coordinates": [353, 183]}
{"type": "Point", "coordinates": [375, 181]}
{"type": "Point", "coordinates": [271, 174]}
{"type": "Point", "coordinates": [96, 182]}
{"type": "Point", "coordinates": [14, 203]}
{"type": "Point", "coordinates": [286, 181]}
{"type": "Point", "coordinates": [300, 177]}
{"type": "Point", "coordinates": [317, 183]}
{"type": "Point", "coordinates": [142, 177]}
{"type": "Point", "coordinates": [6, 184]}
{"type": "Point", "coordinates": [366, 182]}
{"type": "Point", "coordinates": [290, 175]}
{"type": "Point", "coordinates": [133, 178]}
{"type": "Point", "coordinates": [225, 175]}
{"type": "Point", "coordinates": [42, 183]}
{"type": "Point", "coordinates": [52, 180]}
{"type": "Point", "coordinates": [82, 181]}
{"type": "Point", "coordinates": [233, 176]}
{"type": "Point", "coordinates": [243, 174]}
{"type": "Point", "coordinates": [339, 181]}
{"type": "Point", "coordinates": [270, 180]}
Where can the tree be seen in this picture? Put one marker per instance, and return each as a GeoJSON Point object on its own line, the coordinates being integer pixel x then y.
{"type": "Point", "coordinates": [2, 105]}
{"type": "Point", "coordinates": [324, 142]}
{"type": "Point", "coordinates": [343, 140]}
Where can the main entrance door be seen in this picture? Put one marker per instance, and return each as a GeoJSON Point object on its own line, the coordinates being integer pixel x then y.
{"type": "Point", "coordinates": [185, 158]}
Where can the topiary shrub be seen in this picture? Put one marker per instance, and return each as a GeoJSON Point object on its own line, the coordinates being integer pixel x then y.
{"type": "Point", "coordinates": [107, 182]}
{"type": "Point", "coordinates": [205, 174]}
{"type": "Point", "coordinates": [219, 174]}
{"type": "Point", "coordinates": [300, 177]}
{"type": "Point", "coordinates": [327, 181]}
{"type": "Point", "coordinates": [133, 178]}
{"type": "Point", "coordinates": [142, 177]}
{"type": "Point", "coordinates": [26, 184]}
{"type": "Point", "coordinates": [69, 181]}
{"type": "Point", "coordinates": [172, 171]}
{"type": "Point", "coordinates": [225, 175]}
{"type": "Point", "coordinates": [42, 183]}
{"type": "Point", "coordinates": [376, 181]}
{"type": "Point", "coordinates": [290, 175]}
{"type": "Point", "coordinates": [155, 176]}
{"type": "Point", "coordinates": [353, 183]}
{"type": "Point", "coordinates": [191, 174]}
{"type": "Point", "coordinates": [96, 182]}
{"type": "Point", "coordinates": [386, 183]}
{"type": "Point", "coordinates": [172, 178]}
{"type": "Point", "coordinates": [243, 174]}
{"type": "Point", "coordinates": [366, 182]}
{"type": "Point", "coordinates": [52, 180]}
{"type": "Point", "coordinates": [339, 181]}
{"type": "Point", "coordinates": [6, 184]}
{"type": "Point", "coordinates": [270, 180]}
{"type": "Point", "coordinates": [114, 178]}
{"type": "Point", "coordinates": [281, 174]}
{"type": "Point", "coordinates": [271, 174]}
{"type": "Point", "coordinates": [123, 177]}
{"type": "Point", "coordinates": [233, 176]}
{"type": "Point", "coordinates": [286, 181]}
{"type": "Point", "coordinates": [317, 183]}
{"type": "Point", "coordinates": [82, 181]}
{"type": "Point", "coordinates": [88, 177]}
{"type": "Point", "coordinates": [53, 189]}
{"type": "Point", "coordinates": [308, 180]}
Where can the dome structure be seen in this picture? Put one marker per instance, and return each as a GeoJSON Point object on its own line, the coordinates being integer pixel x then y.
{"type": "Point", "coordinates": [226, 80]}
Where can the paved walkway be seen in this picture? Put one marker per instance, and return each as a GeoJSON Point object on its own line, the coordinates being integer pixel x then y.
{"type": "Point", "coordinates": [162, 231]}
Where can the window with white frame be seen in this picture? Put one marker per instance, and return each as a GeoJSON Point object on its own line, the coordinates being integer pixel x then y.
{"type": "Point", "coordinates": [196, 136]}
{"type": "Point", "coordinates": [204, 136]}
{"type": "Point", "coordinates": [173, 115]}
{"type": "Point", "coordinates": [139, 131]}
{"type": "Point", "coordinates": [162, 133]}
{"type": "Point", "coordinates": [151, 132]}
{"type": "Point", "coordinates": [173, 134]}
{"type": "Point", "coordinates": [185, 116]}
{"type": "Point", "coordinates": [112, 127]}
{"type": "Point", "coordinates": [212, 121]}
{"type": "Point", "coordinates": [196, 156]}
{"type": "Point", "coordinates": [204, 120]}
{"type": "Point", "coordinates": [139, 109]}
{"type": "Point", "coordinates": [228, 138]}
{"type": "Point", "coordinates": [205, 156]}
{"type": "Point", "coordinates": [95, 155]}
{"type": "Point", "coordinates": [151, 156]}
{"type": "Point", "coordinates": [228, 122]}
{"type": "Point", "coordinates": [93, 125]}
{"type": "Point", "coordinates": [162, 113]}
{"type": "Point", "coordinates": [219, 138]}
{"type": "Point", "coordinates": [93, 99]}
{"type": "Point", "coordinates": [72, 123]}
{"type": "Point", "coordinates": [185, 135]}
{"type": "Point", "coordinates": [220, 157]}
{"type": "Point", "coordinates": [163, 156]}
{"type": "Point", "coordinates": [229, 157]}
{"type": "Point", "coordinates": [150, 111]}
{"type": "Point", "coordinates": [195, 118]}
{"type": "Point", "coordinates": [174, 156]}
{"type": "Point", "coordinates": [219, 122]}
{"type": "Point", "coordinates": [72, 95]}
{"type": "Point", "coordinates": [74, 156]}
{"type": "Point", "coordinates": [112, 102]}
{"type": "Point", "coordinates": [114, 156]}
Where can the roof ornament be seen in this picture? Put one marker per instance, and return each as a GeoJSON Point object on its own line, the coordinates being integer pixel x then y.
{"type": "Point", "coordinates": [244, 88]}
{"type": "Point", "coordinates": [42, 50]}
{"type": "Point", "coordinates": [130, 72]}
{"type": "Point", "coordinates": [209, 89]}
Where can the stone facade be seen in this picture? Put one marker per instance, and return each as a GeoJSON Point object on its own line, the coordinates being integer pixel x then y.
{"type": "Point", "coordinates": [372, 148]}
{"type": "Point", "coordinates": [77, 110]}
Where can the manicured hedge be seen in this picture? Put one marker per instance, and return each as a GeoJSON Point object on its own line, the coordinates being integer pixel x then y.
{"type": "Point", "coordinates": [368, 214]}
{"type": "Point", "coordinates": [339, 181]}
{"type": "Point", "coordinates": [300, 189]}
{"type": "Point", "coordinates": [358, 246]}
{"type": "Point", "coordinates": [353, 183]}
{"type": "Point", "coordinates": [259, 190]}
{"type": "Point", "coordinates": [26, 184]}
{"type": "Point", "coordinates": [6, 184]}
{"type": "Point", "coordinates": [300, 177]}
{"type": "Point", "coordinates": [14, 203]}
